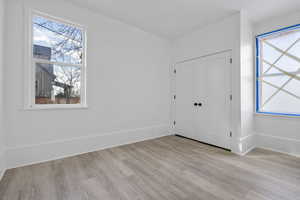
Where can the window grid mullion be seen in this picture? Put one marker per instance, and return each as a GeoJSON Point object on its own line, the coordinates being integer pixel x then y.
{"type": "Point", "coordinates": [43, 61]}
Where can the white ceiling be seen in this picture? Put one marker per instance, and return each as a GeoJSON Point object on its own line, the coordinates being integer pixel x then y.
{"type": "Point", "coordinates": [173, 18]}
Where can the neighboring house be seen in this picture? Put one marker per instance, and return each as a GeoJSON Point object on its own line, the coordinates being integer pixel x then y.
{"type": "Point", "coordinates": [45, 78]}
{"type": "Point", "coordinates": [44, 73]}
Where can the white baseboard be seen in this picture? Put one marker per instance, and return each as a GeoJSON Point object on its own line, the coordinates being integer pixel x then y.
{"type": "Point", "coordinates": [244, 145]}
{"type": "Point", "coordinates": [278, 144]}
{"type": "Point", "coordinates": [26, 155]}
{"type": "Point", "coordinates": [2, 172]}
{"type": "Point", "coordinates": [247, 151]}
{"type": "Point", "coordinates": [248, 143]}
{"type": "Point", "coordinates": [273, 143]}
{"type": "Point", "coordinates": [2, 165]}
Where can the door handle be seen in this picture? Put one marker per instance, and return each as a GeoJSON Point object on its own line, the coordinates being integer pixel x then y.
{"type": "Point", "coordinates": [197, 104]}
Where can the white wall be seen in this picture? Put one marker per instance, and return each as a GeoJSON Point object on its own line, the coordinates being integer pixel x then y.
{"type": "Point", "coordinates": [224, 35]}
{"type": "Point", "coordinates": [2, 143]}
{"type": "Point", "coordinates": [247, 83]}
{"type": "Point", "coordinates": [128, 89]}
{"type": "Point", "coordinates": [273, 132]}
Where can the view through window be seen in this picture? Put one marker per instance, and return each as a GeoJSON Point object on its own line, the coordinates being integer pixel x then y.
{"type": "Point", "coordinates": [58, 59]}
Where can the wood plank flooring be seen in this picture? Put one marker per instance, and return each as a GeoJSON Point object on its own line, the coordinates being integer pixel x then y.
{"type": "Point", "coordinates": [168, 168]}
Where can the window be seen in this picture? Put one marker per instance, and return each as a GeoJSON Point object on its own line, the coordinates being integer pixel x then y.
{"type": "Point", "coordinates": [278, 72]}
{"type": "Point", "coordinates": [58, 63]}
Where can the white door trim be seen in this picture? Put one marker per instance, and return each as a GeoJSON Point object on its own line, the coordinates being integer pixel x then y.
{"type": "Point", "coordinates": [203, 56]}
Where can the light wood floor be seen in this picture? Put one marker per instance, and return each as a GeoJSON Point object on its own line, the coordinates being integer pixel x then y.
{"type": "Point", "coordinates": [170, 168]}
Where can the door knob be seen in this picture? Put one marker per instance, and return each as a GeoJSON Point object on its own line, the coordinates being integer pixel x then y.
{"type": "Point", "coordinates": [198, 104]}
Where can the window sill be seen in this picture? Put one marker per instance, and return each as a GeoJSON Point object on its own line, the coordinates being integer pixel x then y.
{"type": "Point", "coordinates": [280, 115]}
{"type": "Point", "coordinates": [56, 107]}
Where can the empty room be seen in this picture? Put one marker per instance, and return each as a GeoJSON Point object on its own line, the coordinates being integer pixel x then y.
{"type": "Point", "coordinates": [149, 100]}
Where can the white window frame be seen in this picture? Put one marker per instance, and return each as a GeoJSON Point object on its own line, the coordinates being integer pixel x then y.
{"type": "Point", "coordinates": [30, 60]}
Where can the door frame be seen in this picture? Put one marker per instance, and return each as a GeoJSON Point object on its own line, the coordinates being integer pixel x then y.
{"type": "Point", "coordinates": [173, 78]}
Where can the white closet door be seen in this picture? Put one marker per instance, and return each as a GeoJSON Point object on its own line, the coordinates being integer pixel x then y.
{"type": "Point", "coordinates": [203, 99]}
{"type": "Point", "coordinates": [185, 98]}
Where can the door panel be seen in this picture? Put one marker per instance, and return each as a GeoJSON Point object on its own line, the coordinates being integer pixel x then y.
{"type": "Point", "coordinates": [205, 81]}
{"type": "Point", "coordinates": [185, 101]}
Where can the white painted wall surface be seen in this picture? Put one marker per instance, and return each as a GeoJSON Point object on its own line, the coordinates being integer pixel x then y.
{"type": "Point", "coordinates": [128, 89]}
{"type": "Point", "coordinates": [224, 35]}
{"type": "Point", "coordinates": [274, 132]}
{"type": "Point", "coordinates": [247, 83]}
{"type": "Point", "coordinates": [2, 143]}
